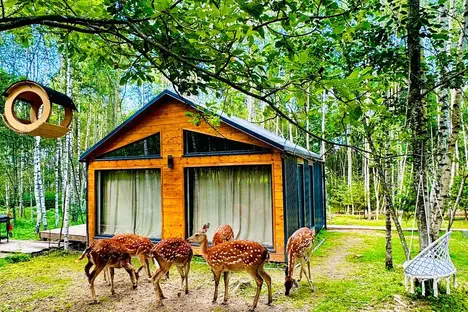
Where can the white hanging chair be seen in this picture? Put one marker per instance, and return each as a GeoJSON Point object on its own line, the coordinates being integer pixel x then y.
{"type": "Point", "coordinates": [433, 263]}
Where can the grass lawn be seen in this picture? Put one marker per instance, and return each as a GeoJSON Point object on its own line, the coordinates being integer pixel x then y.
{"type": "Point", "coordinates": [348, 274]}
{"type": "Point", "coordinates": [25, 225]}
{"type": "Point", "coordinates": [341, 219]}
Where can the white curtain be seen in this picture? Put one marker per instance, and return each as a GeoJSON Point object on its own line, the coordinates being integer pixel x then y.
{"type": "Point", "coordinates": [148, 203]}
{"type": "Point", "coordinates": [239, 196]}
{"type": "Point", "coordinates": [131, 202]}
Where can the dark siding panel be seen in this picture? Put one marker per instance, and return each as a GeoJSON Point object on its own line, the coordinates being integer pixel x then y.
{"type": "Point", "coordinates": [300, 194]}
{"type": "Point", "coordinates": [308, 196]}
{"type": "Point", "coordinates": [319, 208]}
{"type": "Point", "coordinates": [291, 203]}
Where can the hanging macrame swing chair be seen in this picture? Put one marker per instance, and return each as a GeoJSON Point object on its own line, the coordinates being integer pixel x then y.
{"type": "Point", "coordinates": [37, 96]}
{"type": "Point", "coordinates": [432, 263]}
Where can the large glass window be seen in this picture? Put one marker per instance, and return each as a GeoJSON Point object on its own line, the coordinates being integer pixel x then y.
{"type": "Point", "coordinates": [129, 201]}
{"type": "Point", "coordinates": [198, 143]}
{"type": "Point", "coordinates": [148, 147]}
{"type": "Point", "coordinates": [240, 196]}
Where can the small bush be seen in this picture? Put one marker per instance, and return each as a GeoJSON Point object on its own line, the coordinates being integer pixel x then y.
{"type": "Point", "coordinates": [15, 258]}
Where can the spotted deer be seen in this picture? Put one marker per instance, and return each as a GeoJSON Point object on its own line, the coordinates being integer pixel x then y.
{"type": "Point", "coordinates": [299, 248]}
{"type": "Point", "coordinates": [138, 246]}
{"type": "Point", "coordinates": [168, 252]}
{"type": "Point", "coordinates": [234, 256]}
{"type": "Point", "coordinates": [224, 233]}
{"type": "Point", "coordinates": [107, 253]}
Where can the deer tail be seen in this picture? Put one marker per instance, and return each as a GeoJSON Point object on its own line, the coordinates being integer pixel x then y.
{"type": "Point", "coordinates": [87, 250]}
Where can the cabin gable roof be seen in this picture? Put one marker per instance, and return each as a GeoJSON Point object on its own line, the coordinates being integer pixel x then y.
{"type": "Point", "coordinates": [242, 125]}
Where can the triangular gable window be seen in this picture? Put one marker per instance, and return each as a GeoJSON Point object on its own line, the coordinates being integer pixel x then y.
{"type": "Point", "coordinates": [198, 143]}
{"type": "Point", "coordinates": [148, 147]}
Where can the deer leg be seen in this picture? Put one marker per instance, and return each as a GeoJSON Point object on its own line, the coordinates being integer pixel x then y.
{"type": "Point", "coordinates": [131, 271]}
{"type": "Point", "coordinates": [217, 277]}
{"type": "Point", "coordinates": [111, 278]}
{"type": "Point", "coordinates": [92, 276]}
{"type": "Point", "coordinates": [310, 276]}
{"type": "Point", "coordinates": [144, 264]}
{"type": "Point", "coordinates": [157, 288]}
{"type": "Point", "coordinates": [267, 280]}
{"type": "Point", "coordinates": [259, 280]}
{"type": "Point", "coordinates": [226, 287]}
{"type": "Point", "coordinates": [87, 268]}
{"type": "Point", "coordinates": [182, 276]}
{"type": "Point", "coordinates": [300, 271]}
{"type": "Point", "coordinates": [187, 270]}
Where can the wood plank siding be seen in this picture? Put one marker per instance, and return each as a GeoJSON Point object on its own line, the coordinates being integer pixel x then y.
{"type": "Point", "coordinates": [169, 118]}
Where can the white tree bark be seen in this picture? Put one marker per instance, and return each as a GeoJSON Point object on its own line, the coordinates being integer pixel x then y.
{"type": "Point", "coordinates": [65, 167]}
{"type": "Point", "coordinates": [58, 156]}
{"type": "Point", "coordinates": [324, 123]}
{"type": "Point", "coordinates": [66, 218]}
{"type": "Point", "coordinates": [21, 183]}
{"type": "Point", "coordinates": [38, 190]}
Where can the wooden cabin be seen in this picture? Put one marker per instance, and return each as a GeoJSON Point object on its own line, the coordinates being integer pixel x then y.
{"type": "Point", "coordinates": [161, 175]}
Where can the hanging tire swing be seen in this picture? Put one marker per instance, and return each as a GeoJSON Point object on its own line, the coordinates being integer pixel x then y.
{"type": "Point", "coordinates": [37, 96]}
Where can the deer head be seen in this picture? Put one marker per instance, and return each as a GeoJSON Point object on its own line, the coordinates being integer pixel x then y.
{"type": "Point", "coordinates": [199, 236]}
{"type": "Point", "coordinates": [289, 282]}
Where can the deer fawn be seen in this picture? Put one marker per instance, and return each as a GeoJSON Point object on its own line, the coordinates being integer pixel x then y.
{"type": "Point", "coordinates": [167, 252]}
{"type": "Point", "coordinates": [237, 255]}
{"type": "Point", "coordinates": [107, 253]}
{"type": "Point", "coordinates": [299, 249]}
{"type": "Point", "coordinates": [224, 233]}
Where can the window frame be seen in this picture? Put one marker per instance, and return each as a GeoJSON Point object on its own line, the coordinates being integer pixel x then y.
{"type": "Point", "coordinates": [188, 199]}
{"type": "Point", "coordinates": [98, 200]}
{"type": "Point", "coordinates": [264, 150]}
{"type": "Point", "coordinates": [102, 157]}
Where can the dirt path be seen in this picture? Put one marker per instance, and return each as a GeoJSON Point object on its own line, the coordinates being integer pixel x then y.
{"type": "Point", "coordinates": [335, 265]}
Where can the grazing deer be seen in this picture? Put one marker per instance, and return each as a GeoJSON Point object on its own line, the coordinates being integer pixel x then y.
{"type": "Point", "coordinates": [107, 253]}
{"type": "Point", "coordinates": [299, 249]}
{"type": "Point", "coordinates": [224, 233]}
{"type": "Point", "coordinates": [167, 252]}
{"type": "Point", "coordinates": [237, 255]}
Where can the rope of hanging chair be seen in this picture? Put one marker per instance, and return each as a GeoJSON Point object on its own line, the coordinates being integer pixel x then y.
{"type": "Point", "coordinates": [426, 213]}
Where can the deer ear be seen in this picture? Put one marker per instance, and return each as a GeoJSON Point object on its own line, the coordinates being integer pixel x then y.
{"type": "Point", "coordinates": [205, 228]}
{"type": "Point", "coordinates": [295, 283]}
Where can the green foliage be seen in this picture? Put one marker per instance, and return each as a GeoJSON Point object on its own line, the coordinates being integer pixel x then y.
{"type": "Point", "coordinates": [14, 258]}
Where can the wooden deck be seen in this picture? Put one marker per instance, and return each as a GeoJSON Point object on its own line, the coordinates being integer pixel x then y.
{"type": "Point", "coordinates": [77, 233]}
{"type": "Point", "coordinates": [24, 246]}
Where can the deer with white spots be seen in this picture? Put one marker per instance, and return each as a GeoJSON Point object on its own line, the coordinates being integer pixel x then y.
{"type": "Point", "coordinates": [224, 233]}
{"type": "Point", "coordinates": [138, 246]}
{"type": "Point", "coordinates": [233, 256]}
{"type": "Point", "coordinates": [107, 253]}
{"type": "Point", "coordinates": [168, 252]}
{"type": "Point", "coordinates": [299, 249]}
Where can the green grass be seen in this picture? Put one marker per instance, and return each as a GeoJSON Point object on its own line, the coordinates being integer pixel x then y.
{"type": "Point", "coordinates": [25, 225]}
{"type": "Point", "coordinates": [348, 275]}
{"type": "Point", "coordinates": [340, 219]}
{"type": "Point", "coordinates": [366, 284]}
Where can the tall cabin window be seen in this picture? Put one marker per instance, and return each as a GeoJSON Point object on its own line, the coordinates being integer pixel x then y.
{"type": "Point", "coordinates": [145, 148]}
{"type": "Point", "coordinates": [198, 143]}
{"type": "Point", "coordinates": [129, 201]}
{"type": "Point", "coordinates": [240, 196]}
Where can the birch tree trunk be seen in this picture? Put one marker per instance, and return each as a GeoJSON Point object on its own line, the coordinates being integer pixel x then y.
{"type": "Point", "coordinates": [66, 218]}
{"type": "Point", "coordinates": [377, 196]}
{"type": "Point", "coordinates": [57, 180]}
{"type": "Point", "coordinates": [21, 183]}
{"type": "Point", "coordinates": [65, 167]}
{"type": "Point", "coordinates": [324, 114]}
{"type": "Point", "coordinates": [350, 171]}
{"type": "Point", "coordinates": [388, 225]}
{"type": "Point", "coordinates": [444, 169]}
{"type": "Point", "coordinates": [38, 185]}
